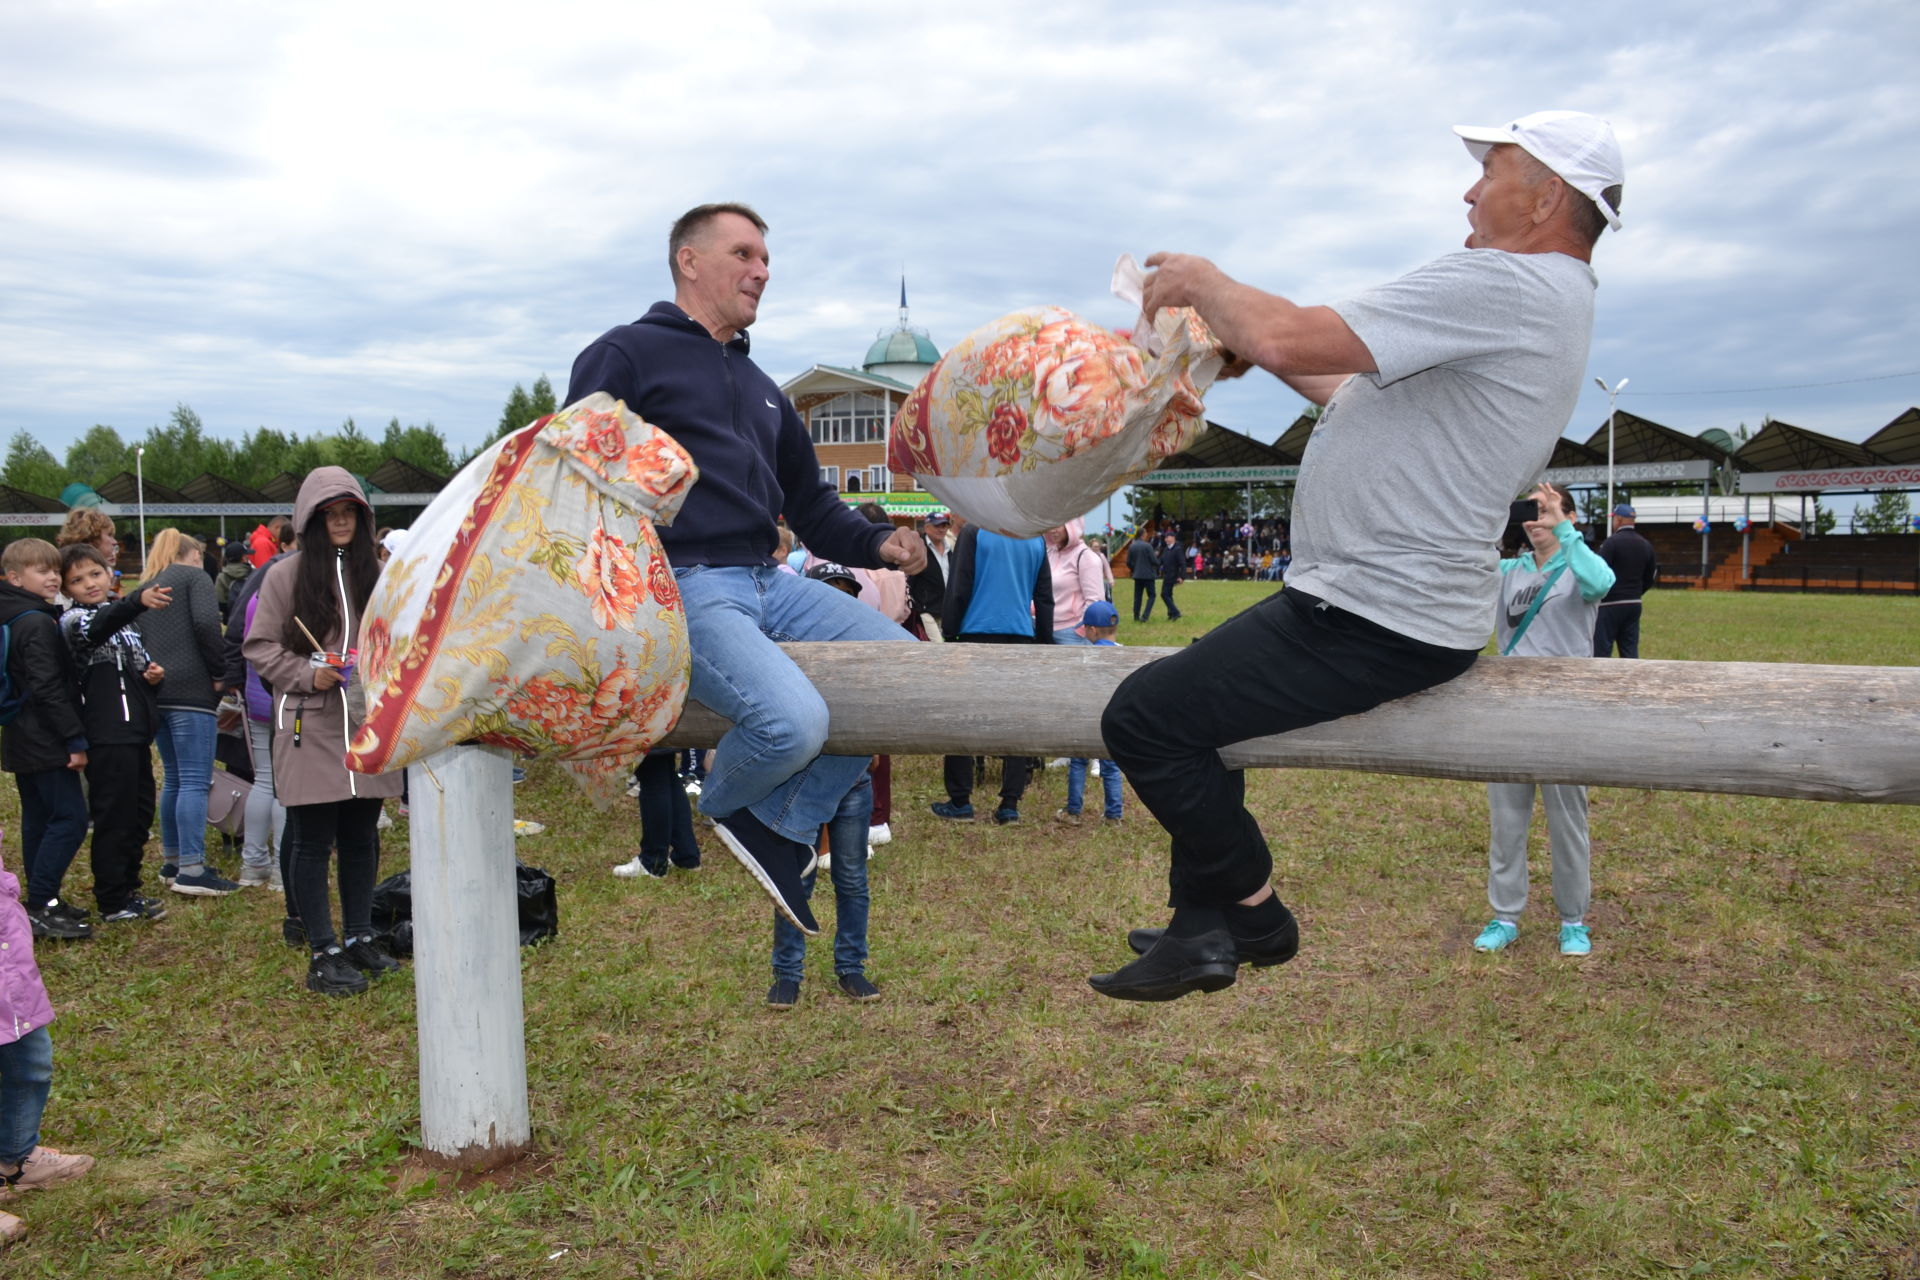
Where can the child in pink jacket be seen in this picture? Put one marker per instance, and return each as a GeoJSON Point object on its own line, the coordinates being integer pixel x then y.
{"type": "Point", "coordinates": [26, 1065]}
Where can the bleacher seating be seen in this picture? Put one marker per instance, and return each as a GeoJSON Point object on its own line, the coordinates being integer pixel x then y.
{"type": "Point", "coordinates": [1869, 562]}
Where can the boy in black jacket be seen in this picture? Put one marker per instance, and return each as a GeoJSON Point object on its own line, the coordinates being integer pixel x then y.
{"type": "Point", "coordinates": [44, 746]}
{"type": "Point", "coordinates": [117, 677]}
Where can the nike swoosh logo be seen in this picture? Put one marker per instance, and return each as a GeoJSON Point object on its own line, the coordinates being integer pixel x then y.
{"type": "Point", "coordinates": [772, 405]}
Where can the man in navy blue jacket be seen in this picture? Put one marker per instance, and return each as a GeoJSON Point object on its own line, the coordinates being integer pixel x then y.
{"type": "Point", "coordinates": [684, 367]}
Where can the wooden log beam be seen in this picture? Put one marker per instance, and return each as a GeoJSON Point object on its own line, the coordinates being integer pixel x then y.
{"type": "Point", "coordinates": [1743, 728]}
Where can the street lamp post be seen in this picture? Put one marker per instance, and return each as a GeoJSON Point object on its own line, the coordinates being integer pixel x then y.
{"type": "Point", "coordinates": [140, 500]}
{"type": "Point", "coordinates": [1613, 393]}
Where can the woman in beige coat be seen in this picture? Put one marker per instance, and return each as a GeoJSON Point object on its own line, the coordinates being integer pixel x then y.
{"type": "Point", "coordinates": [322, 589]}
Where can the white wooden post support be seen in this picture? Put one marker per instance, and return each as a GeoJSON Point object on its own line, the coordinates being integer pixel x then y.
{"type": "Point", "coordinates": [466, 959]}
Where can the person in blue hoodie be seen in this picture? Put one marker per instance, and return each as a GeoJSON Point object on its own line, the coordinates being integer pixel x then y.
{"type": "Point", "coordinates": [684, 367]}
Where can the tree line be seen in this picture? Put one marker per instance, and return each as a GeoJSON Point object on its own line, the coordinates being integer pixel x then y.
{"type": "Point", "coordinates": [181, 449]}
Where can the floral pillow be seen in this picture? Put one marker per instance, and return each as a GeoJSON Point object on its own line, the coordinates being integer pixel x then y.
{"type": "Point", "coordinates": [1034, 419]}
{"type": "Point", "coordinates": [531, 606]}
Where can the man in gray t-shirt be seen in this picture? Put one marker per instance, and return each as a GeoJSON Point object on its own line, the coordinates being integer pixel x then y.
{"type": "Point", "coordinates": [1445, 391]}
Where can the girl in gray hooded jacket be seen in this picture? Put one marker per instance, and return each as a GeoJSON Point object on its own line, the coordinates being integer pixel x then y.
{"type": "Point", "coordinates": [318, 594]}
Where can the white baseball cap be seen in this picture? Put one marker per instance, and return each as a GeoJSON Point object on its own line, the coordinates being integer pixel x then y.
{"type": "Point", "coordinates": [1578, 147]}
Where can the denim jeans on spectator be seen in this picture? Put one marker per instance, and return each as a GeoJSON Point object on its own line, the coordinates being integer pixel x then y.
{"type": "Point", "coordinates": [26, 1075]}
{"type": "Point", "coordinates": [1289, 661]}
{"type": "Point", "coordinates": [186, 741]}
{"type": "Point", "coordinates": [1070, 635]}
{"type": "Point", "coordinates": [53, 823]}
{"type": "Point", "coordinates": [847, 838]}
{"type": "Point", "coordinates": [264, 811]}
{"type": "Point", "coordinates": [1109, 783]}
{"type": "Point", "coordinates": [770, 761]}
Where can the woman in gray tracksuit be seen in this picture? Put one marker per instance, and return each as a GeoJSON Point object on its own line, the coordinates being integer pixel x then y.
{"type": "Point", "coordinates": [1549, 598]}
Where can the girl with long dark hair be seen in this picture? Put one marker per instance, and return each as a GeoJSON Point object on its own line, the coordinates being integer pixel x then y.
{"type": "Point", "coordinates": [300, 641]}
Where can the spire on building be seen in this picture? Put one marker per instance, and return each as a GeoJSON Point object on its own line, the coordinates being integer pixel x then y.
{"type": "Point", "coordinates": [902, 352]}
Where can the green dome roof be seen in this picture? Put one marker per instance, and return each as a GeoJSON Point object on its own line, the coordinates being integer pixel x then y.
{"type": "Point", "coordinates": [902, 346]}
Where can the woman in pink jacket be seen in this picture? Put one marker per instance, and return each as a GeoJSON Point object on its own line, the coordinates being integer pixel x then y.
{"type": "Point", "coordinates": [1077, 579]}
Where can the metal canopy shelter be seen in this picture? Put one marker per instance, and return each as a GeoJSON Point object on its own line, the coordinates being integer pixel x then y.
{"type": "Point", "coordinates": [1899, 440]}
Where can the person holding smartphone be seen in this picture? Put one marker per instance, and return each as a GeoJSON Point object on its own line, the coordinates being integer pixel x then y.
{"type": "Point", "coordinates": [1549, 598]}
{"type": "Point", "coordinates": [309, 612]}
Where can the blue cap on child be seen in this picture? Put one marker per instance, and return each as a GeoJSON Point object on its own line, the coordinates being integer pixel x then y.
{"type": "Point", "coordinates": [1100, 614]}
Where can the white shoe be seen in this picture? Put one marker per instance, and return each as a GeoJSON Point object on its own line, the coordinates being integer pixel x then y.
{"type": "Point", "coordinates": [528, 827]}
{"type": "Point", "coordinates": [1058, 762]}
{"type": "Point", "coordinates": [633, 868]}
{"type": "Point", "coordinates": [384, 822]}
{"type": "Point", "coordinates": [881, 834]}
{"type": "Point", "coordinates": [822, 862]}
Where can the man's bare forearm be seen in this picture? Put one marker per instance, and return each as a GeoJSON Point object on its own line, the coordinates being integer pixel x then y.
{"type": "Point", "coordinates": [1310, 348]}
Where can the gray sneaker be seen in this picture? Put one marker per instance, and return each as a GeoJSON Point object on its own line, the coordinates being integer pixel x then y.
{"type": "Point", "coordinates": [250, 876]}
{"type": "Point", "coordinates": [137, 908]}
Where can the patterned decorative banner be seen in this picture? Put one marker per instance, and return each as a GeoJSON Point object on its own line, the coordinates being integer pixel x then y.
{"type": "Point", "coordinates": [1832, 478]}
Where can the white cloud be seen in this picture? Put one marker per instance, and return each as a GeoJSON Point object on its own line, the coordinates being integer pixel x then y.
{"type": "Point", "coordinates": [288, 214]}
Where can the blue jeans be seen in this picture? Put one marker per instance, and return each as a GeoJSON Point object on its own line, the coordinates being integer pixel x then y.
{"type": "Point", "coordinates": [770, 761]}
{"type": "Point", "coordinates": [53, 823]}
{"type": "Point", "coordinates": [1070, 635]}
{"type": "Point", "coordinates": [848, 836]}
{"type": "Point", "coordinates": [26, 1076]}
{"type": "Point", "coordinates": [186, 741]}
{"type": "Point", "coordinates": [1077, 785]}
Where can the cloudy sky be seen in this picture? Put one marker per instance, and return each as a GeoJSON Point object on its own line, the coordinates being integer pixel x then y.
{"type": "Point", "coordinates": [286, 214]}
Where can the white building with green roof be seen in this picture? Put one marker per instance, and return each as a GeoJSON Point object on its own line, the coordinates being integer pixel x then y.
{"type": "Point", "coordinates": [849, 413]}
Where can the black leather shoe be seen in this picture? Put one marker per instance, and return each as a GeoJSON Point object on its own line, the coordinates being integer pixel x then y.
{"type": "Point", "coordinates": [1174, 967]}
{"type": "Point", "coordinates": [1277, 947]}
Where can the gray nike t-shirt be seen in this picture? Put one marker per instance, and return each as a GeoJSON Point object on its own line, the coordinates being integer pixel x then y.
{"type": "Point", "coordinates": [1407, 477]}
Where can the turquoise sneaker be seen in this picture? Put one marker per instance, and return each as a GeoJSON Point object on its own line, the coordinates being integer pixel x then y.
{"type": "Point", "coordinates": [1574, 940]}
{"type": "Point", "coordinates": [1497, 936]}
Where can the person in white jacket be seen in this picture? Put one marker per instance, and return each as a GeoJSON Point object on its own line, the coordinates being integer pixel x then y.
{"type": "Point", "coordinates": [1549, 599]}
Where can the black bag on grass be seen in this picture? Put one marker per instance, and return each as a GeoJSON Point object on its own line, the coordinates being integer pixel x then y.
{"type": "Point", "coordinates": [539, 908]}
{"type": "Point", "coordinates": [393, 912]}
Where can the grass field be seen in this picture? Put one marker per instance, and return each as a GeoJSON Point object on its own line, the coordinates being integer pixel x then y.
{"type": "Point", "coordinates": [1728, 1086]}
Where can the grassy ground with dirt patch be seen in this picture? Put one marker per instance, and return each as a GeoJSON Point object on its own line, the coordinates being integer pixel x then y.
{"type": "Point", "coordinates": [1728, 1086]}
